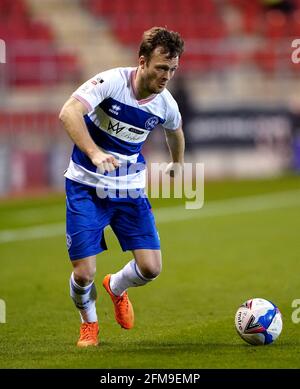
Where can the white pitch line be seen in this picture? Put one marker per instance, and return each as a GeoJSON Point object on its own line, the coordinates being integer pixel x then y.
{"type": "Point", "coordinates": [36, 213]}
{"type": "Point", "coordinates": [28, 233]}
{"type": "Point", "coordinates": [232, 206]}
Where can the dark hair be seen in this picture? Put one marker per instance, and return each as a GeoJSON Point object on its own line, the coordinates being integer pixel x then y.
{"type": "Point", "coordinates": [170, 41]}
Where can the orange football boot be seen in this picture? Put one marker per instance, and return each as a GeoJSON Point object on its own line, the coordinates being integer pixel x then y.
{"type": "Point", "coordinates": [123, 308]}
{"type": "Point", "coordinates": [88, 334]}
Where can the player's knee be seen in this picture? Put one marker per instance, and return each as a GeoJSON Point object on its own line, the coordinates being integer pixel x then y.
{"type": "Point", "coordinates": [84, 277]}
{"type": "Point", "coordinates": [152, 270]}
{"type": "Point", "coordinates": [84, 271]}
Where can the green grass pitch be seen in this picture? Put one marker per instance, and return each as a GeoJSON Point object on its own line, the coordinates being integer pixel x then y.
{"type": "Point", "coordinates": [244, 243]}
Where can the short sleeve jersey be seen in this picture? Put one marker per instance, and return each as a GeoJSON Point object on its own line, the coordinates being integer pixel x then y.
{"type": "Point", "coordinates": [119, 124]}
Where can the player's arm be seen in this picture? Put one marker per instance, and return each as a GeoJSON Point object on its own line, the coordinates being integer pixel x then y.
{"type": "Point", "coordinates": [176, 145]}
{"type": "Point", "coordinates": [71, 116]}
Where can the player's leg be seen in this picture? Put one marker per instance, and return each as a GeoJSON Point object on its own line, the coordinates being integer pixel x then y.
{"type": "Point", "coordinates": [82, 288]}
{"type": "Point", "coordinates": [83, 293]}
{"type": "Point", "coordinates": [85, 239]}
{"type": "Point", "coordinates": [135, 229]}
{"type": "Point", "coordinates": [145, 267]}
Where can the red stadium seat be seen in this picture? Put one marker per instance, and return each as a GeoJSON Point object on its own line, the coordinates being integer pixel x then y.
{"type": "Point", "coordinates": [143, 7]}
{"type": "Point", "coordinates": [101, 7]}
{"type": "Point", "coordinates": [275, 25]}
{"type": "Point", "coordinates": [266, 59]}
{"type": "Point", "coordinates": [68, 68]}
{"type": "Point", "coordinates": [294, 26]}
{"type": "Point", "coordinates": [43, 68]}
{"type": "Point", "coordinates": [40, 31]}
{"type": "Point", "coordinates": [33, 58]}
{"type": "Point", "coordinates": [36, 168]}
{"type": "Point", "coordinates": [203, 21]}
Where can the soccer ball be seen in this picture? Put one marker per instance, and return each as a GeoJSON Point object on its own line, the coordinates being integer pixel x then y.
{"type": "Point", "coordinates": [258, 321]}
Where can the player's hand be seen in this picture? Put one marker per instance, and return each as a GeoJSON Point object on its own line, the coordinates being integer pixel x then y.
{"type": "Point", "coordinates": [174, 169]}
{"type": "Point", "coordinates": [105, 162]}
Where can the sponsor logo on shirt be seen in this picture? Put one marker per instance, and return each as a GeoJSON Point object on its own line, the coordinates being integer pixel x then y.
{"type": "Point", "coordinates": [115, 109]}
{"type": "Point", "coordinates": [135, 130]}
{"type": "Point", "coordinates": [114, 127]}
{"type": "Point", "coordinates": [130, 134]}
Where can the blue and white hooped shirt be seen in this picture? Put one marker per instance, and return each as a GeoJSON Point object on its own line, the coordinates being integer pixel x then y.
{"type": "Point", "coordinates": [119, 124]}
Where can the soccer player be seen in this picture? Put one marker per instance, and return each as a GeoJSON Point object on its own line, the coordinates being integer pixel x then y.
{"type": "Point", "coordinates": [109, 118]}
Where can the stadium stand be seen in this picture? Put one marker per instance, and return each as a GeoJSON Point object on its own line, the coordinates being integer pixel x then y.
{"type": "Point", "coordinates": [203, 25]}
{"type": "Point", "coordinates": [238, 54]}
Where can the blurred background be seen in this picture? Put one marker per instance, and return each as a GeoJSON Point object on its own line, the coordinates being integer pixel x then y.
{"type": "Point", "coordinates": [237, 87]}
{"type": "Point", "coordinates": [238, 91]}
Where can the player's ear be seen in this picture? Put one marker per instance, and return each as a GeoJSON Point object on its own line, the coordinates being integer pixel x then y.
{"type": "Point", "coordinates": [142, 61]}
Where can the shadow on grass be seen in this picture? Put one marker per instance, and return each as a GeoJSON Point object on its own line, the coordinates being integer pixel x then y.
{"type": "Point", "coordinates": [201, 346]}
{"type": "Point", "coordinates": [158, 345]}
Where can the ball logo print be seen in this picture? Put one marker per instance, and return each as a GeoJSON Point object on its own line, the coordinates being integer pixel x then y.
{"type": "Point", "coordinates": [251, 325]}
{"type": "Point", "coordinates": [258, 321]}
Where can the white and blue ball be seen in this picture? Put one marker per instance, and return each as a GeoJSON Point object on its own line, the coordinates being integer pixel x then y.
{"type": "Point", "coordinates": [258, 321]}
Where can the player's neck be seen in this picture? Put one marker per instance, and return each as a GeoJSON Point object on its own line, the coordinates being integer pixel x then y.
{"type": "Point", "coordinates": [140, 92]}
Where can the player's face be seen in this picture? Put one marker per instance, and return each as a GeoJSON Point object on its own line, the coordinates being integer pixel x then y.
{"type": "Point", "coordinates": [158, 71]}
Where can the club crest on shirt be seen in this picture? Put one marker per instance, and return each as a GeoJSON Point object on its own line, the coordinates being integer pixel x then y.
{"type": "Point", "coordinates": [151, 123]}
{"type": "Point", "coordinates": [69, 241]}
